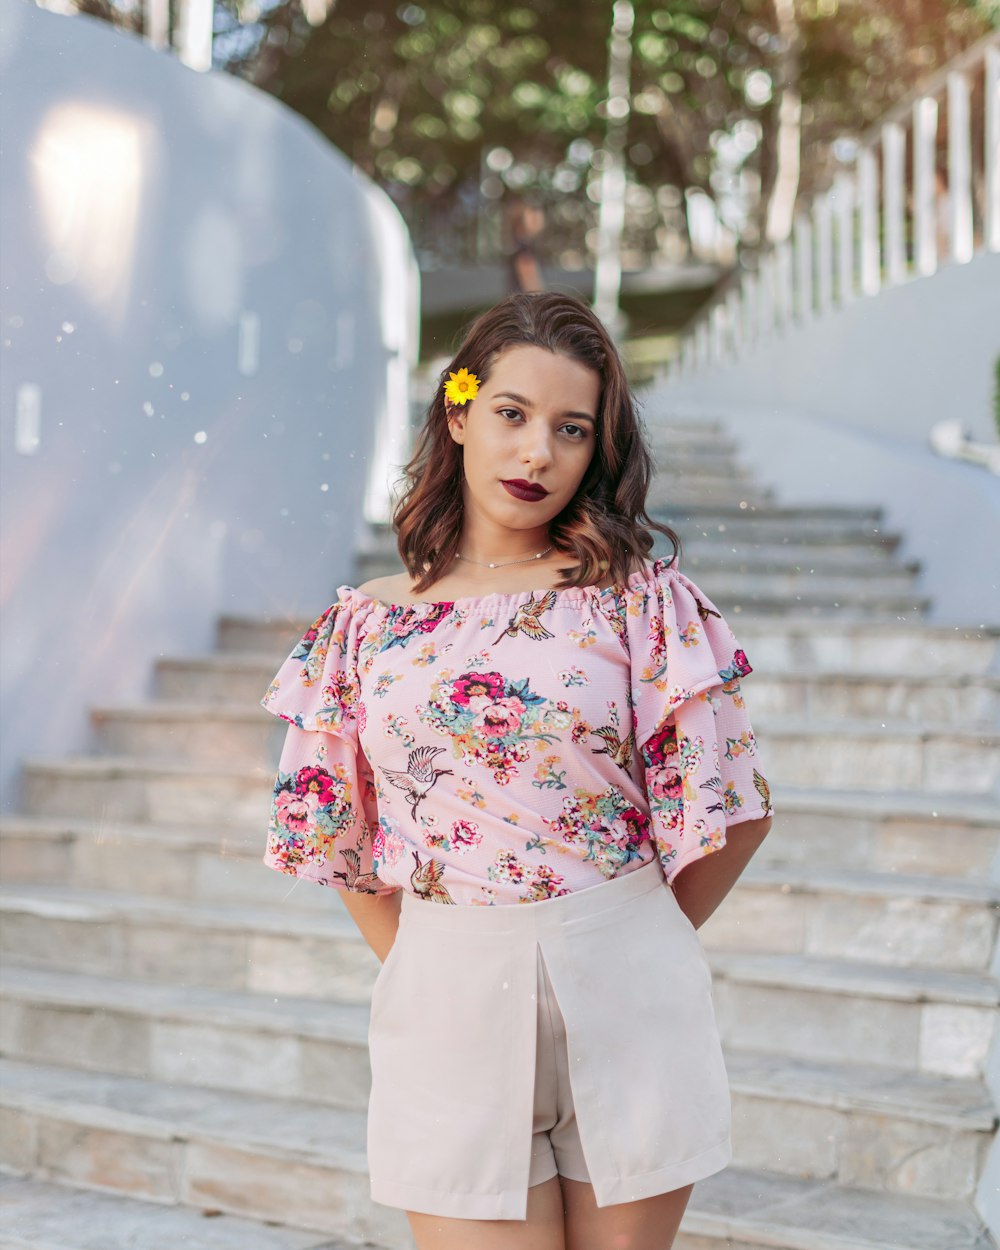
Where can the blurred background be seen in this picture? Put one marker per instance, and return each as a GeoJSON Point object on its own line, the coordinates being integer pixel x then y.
{"type": "Point", "coordinates": [239, 242]}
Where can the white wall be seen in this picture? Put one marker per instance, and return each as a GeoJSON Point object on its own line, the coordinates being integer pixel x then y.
{"type": "Point", "coordinates": [839, 411]}
{"type": "Point", "coordinates": [155, 222]}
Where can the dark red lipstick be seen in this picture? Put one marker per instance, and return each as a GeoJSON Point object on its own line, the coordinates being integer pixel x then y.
{"type": "Point", "coordinates": [520, 489]}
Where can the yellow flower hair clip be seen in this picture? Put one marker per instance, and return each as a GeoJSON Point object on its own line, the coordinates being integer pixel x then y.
{"type": "Point", "coordinates": [461, 386]}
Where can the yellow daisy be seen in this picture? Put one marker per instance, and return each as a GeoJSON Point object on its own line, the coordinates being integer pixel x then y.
{"type": "Point", "coordinates": [461, 386]}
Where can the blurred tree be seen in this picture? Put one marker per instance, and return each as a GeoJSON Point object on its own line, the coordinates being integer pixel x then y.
{"type": "Point", "coordinates": [449, 101]}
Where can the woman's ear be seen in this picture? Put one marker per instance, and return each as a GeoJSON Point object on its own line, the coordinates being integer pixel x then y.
{"type": "Point", "coordinates": [456, 420]}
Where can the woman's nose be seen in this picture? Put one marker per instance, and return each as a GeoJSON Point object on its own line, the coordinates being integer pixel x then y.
{"type": "Point", "coordinates": [537, 448]}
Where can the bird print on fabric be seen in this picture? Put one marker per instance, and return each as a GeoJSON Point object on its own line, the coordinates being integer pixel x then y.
{"type": "Point", "coordinates": [426, 881]}
{"type": "Point", "coordinates": [620, 749]}
{"type": "Point", "coordinates": [354, 878]}
{"type": "Point", "coordinates": [419, 777]}
{"type": "Point", "coordinates": [704, 612]}
{"type": "Point", "coordinates": [525, 619]}
{"type": "Point", "coordinates": [763, 789]}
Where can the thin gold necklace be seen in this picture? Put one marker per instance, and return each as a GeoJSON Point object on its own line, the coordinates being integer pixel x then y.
{"type": "Point", "coordinates": [494, 565]}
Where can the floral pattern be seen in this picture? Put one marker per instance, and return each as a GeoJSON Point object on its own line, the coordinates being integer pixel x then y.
{"type": "Point", "coordinates": [569, 736]}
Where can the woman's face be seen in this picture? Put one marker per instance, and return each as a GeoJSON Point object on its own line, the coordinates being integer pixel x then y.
{"type": "Point", "coordinates": [535, 421]}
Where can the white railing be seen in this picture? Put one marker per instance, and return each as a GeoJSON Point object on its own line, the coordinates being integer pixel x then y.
{"type": "Point", "coordinates": [865, 233]}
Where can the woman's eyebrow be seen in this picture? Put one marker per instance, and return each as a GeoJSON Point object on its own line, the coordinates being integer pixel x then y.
{"type": "Point", "coordinates": [520, 399]}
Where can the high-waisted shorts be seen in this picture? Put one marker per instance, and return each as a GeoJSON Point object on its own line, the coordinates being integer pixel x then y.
{"type": "Point", "coordinates": [576, 1034]}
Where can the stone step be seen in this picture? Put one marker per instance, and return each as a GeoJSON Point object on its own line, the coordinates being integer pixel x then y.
{"type": "Point", "coordinates": [890, 833]}
{"type": "Point", "coordinates": [910, 1017]}
{"type": "Point", "coordinates": [835, 753]}
{"type": "Point", "coordinates": [677, 490]}
{"type": "Point", "coordinates": [795, 516]}
{"type": "Point", "coordinates": [190, 860]}
{"type": "Point", "coordinates": [806, 749]}
{"type": "Point", "coordinates": [728, 535]}
{"type": "Point", "coordinates": [967, 700]}
{"type": "Point", "coordinates": [257, 1157]}
{"type": "Point", "coordinates": [109, 789]}
{"type": "Point", "coordinates": [43, 1215]}
{"type": "Point", "coordinates": [859, 1124]}
{"type": "Point", "coordinates": [750, 528]}
{"type": "Point", "coordinates": [830, 645]}
{"type": "Point", "coordinates": [218, 947]}
{"type": "Point", "coordinates": [851, 1123]}
{"type": "Point", "coordinates": [740, 1209]}
{"type": "Point", "coordinates": [789, 596]}
{"type": "Point", "coordinates": [719, 559]}
{"type": "Point", "coordinates": [299, 1163]}
{"type": "Point", "coordinates": [887, 831]}
{"type": "Point", "coordinates": [913, 1019]}
{"type": "Point", "coordinates": [893, 919]}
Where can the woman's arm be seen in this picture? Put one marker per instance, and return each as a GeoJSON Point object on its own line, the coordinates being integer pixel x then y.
{"type": "Point", "coordinates": [702, 885]}
{"type": "Point", "coordinates": [377, 916]}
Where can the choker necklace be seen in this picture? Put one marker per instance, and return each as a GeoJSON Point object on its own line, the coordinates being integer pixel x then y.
{"type": "Point", "coordinates": [494, 565]}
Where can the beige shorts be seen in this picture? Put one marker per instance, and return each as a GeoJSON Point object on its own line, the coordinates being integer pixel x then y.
{"type": "Point", "coordinates": [575, 1035]}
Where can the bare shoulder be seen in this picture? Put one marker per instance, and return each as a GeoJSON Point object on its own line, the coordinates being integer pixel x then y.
{"type": "Point", "coordinates": [391, 589]}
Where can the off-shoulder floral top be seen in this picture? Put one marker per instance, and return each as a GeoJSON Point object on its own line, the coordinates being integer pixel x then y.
{"type": "Point", "coordinates": [511, 747]}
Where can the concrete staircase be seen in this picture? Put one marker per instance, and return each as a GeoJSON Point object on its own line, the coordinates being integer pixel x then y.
{"type": "Point", "coordinates": [184, 1032]}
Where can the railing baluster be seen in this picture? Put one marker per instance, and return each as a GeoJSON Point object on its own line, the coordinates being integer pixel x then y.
{"type": "Point", "coordinates": [991, 129]}
{"type": "Point", "coordinates": [959, 169]}
{"type": "Point", "coordinates": [803, 268]}
{"type": "Point", "coordinates": [894, 201]}
{"type": "Point", "coordinates": [868, 209]}
{"type": "Point", "coordinates": [925, 120]}
{"type": "Point", "coordinates": [843, 204]}
{"type": "Point", "coordinates": [734, 305]}
{"type": "Point", "coordinates": [824, 252]}
{"type": "Point", "coordinates": [783, 282]}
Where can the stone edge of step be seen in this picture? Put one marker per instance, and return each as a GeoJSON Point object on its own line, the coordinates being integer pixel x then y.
{"type": "Point", "coordinates": [841, 1086]}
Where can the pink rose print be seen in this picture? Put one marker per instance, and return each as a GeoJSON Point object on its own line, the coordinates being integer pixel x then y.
{"type": "Point", "coordinates": [664, 783]}
{"type": "Point", "coordinates": [378, 844]}
{"type": "Point", "coordinates": [296, 812]}
{"type": "Point", "coordinates": [316, 782]}
{"type": "Point", "coordinates": [500, 718]}
{"type": "Point", "coordinates": [476, 686]}
{"type": "Point", "coordinates": [661, 745]}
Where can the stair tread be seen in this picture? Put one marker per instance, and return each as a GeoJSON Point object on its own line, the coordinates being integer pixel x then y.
{"type": "Point", "coordinates": [957, 1102]}
{"type": "Point", "coordinates": [758, 874]}
{"type": "Point", "coordinates": [900, 982]}
{"type": "Point", "coordinates": [907, 804]}
{"type": "Point", "coordinates": [43, 1215]}
{"type": "Point", "coordinates": [292, 1129]}
{"type": "Point", "coordinates": [799, 1214]}
{"type": "Point", "coordinates": [905, 983]}
{"type": "Point", "coordinates": [78, 902]}
{"type": "Point", "coordinates": [977, 808]}
{"type": "Point", "coordinates": [308, 1017]}
{"type": "Point", "coordinates": [865, 882]}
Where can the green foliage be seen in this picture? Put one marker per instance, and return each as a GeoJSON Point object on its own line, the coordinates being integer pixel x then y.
{"type": "Point", "coordinates": [996, 394]}
{"type": "Point", "coordinates": [415, 93]}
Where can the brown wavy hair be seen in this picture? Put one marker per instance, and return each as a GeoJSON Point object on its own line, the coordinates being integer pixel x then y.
{"type": "Point", "coordinates": [605, 525]}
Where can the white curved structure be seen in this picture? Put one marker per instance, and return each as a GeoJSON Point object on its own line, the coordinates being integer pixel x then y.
{"type": "Point", "coordinates": [209, 317]}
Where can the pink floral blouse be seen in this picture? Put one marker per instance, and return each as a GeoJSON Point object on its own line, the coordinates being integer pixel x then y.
{"type": "Point", "coordinates": [511, 747]}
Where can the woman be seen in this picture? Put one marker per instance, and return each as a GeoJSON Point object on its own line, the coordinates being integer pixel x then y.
{"type": "Point", "coordinates": [503, 758]}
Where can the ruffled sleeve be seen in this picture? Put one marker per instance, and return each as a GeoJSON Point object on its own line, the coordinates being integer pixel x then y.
{"type": "Point", "coordinates": [323, 811]}
{"type": "Point", "coordinates": [702, 762]}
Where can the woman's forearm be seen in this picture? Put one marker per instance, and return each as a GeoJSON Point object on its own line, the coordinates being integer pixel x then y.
{"type": "Point", "coordinates": [702, 885]}
{"type": "Point", "coordinates": [377, 916]}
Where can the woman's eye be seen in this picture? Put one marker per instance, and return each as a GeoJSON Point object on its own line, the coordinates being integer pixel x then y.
{"type": "Point", "coordinates": [580, 431]}
{"type": "Point", "coordinates": [506, 410]}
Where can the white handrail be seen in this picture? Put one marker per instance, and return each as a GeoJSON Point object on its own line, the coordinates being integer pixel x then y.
{"type": "Point", "coordinates": [850, 241]}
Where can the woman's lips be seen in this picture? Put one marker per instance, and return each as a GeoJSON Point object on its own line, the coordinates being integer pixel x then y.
{"type": "Point", "coordinates": [522, 492]}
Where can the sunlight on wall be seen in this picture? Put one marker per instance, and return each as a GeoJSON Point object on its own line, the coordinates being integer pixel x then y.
{"type": "Point", "coordinates": [89, 165]}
